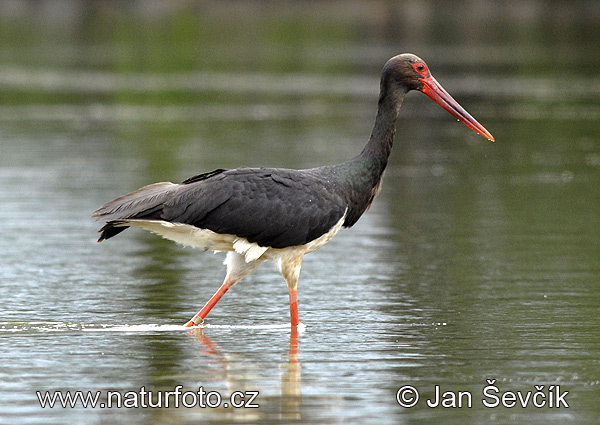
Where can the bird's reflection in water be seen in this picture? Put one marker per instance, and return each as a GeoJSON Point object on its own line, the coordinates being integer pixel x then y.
{"type": "Point", "coordinates": [291, 380]}
{"type": "Point", "coordinates": [291, 383]}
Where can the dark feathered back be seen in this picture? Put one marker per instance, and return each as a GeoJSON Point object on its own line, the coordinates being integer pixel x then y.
{"type": "Point", "coordinates": [269, 206]}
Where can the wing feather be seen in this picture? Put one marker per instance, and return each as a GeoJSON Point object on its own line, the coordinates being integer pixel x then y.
{"type": "Point", "coordinates": [270, 207]}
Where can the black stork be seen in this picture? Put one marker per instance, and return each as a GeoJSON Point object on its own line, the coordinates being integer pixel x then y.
{"type": "Point", "coordinates": [259, 214]}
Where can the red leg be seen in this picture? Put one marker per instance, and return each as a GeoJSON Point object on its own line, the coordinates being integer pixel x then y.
{"type": "Point", "coordinates": [199, 318]}
{"type": "Point", "coordinates": [294, 306]}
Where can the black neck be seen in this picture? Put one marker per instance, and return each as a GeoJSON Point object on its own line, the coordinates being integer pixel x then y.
{"type": "Point", "coordinates": [361, 176]}
{"type": "Point", "coordinates": [381, 141]}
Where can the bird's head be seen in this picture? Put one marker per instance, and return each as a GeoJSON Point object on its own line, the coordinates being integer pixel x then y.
{"type": "Point", "coordinates": [408, 72]}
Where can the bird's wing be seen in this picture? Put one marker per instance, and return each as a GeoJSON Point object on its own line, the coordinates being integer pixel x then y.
{"type": "Point", "coordinates": [270, 207]}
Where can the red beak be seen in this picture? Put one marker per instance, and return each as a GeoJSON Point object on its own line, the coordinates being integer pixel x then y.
{"type": "Point", "coordinates": [440, 96]}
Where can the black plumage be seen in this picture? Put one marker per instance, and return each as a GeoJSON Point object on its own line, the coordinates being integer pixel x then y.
{"type": "Point", "coordinates": [271, 207]}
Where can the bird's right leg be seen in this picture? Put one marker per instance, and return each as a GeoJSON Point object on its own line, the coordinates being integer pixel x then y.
{"type": "Point", "coordinates": [237, 269]}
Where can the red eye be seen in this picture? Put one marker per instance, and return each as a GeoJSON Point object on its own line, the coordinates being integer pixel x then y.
{"type": "Point", "coordinates": [420, 68]}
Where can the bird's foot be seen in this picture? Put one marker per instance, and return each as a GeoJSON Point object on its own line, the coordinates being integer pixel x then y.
{"type": "Point", "coordinates": [196, 321]}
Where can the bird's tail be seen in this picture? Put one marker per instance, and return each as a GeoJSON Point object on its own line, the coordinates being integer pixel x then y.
{"type": "Point", "coordinates": [143, 203]}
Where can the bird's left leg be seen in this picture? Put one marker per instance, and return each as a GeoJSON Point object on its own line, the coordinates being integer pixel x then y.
{"type": "Point", "coordinates": [290, 269]}
{"type": "Point", "coordinates": [237, 269]}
